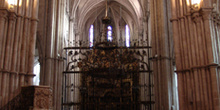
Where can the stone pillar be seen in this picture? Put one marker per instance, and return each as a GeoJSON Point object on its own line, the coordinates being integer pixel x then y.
{"type": "Point", "coordinates": [196, 48]}
{"type": "Point", "coordinates": [60, 84]}
{"type": "Point", "coordinates": [3, 27]}
{"type": "Point", "coordinates": [71, 33]}
{"type": "Point", "coordinates": [51, 35]}
{"type": "Point", "coordinates": [3, 18]}
{"type": "Point", "coordinates": [24, 44]}
{"type": "Point", "coordinates": [16, 52]}
{"type": "Point", "coordinates": [19, 53]}
{"type": "Point", "coordinates": [206, 14]}
{"type": "Point", "coordinates": [48, 80]}
{"type": "Point", "coordinates": [8, 55]}
{"type": "Point", "coordinates": [13, 48]}
{"type": "Point", "coordinates": [14, 58]}
{"type": "Point", "coordinates": [28, 14]}
{"type": "Point", "coordinates": [32, 41]}
{"type": "Point", "coordinates": [122, 33]}
{"type": "Point", "coordinates": [199, 52]}
{"type": "Point", "coordinates": [162, 55]}
{"type": "Point", "coordinates": [23, 53]}
{"type": "Point", "coordinates": [212, 62]}
{"type": "Point", "coordinates": [207, 3]}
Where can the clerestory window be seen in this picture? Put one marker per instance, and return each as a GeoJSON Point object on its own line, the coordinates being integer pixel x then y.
{"type": "Point", "coordinates": [109, 33]}
{"type": "Point", "coordinates": [91, 35]}
{"type": "Point", "coordinates": [127, 36]}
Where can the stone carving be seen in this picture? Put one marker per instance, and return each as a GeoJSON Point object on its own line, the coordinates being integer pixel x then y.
{"type": "Point", "coordinates": [43, 98]}
{"type": "Point", "coordinates": [31, 98]}
{"type": "Point", "coordinates": [3, 13]}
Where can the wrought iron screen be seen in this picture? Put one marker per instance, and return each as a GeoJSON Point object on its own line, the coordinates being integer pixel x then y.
{"type": "Point", "coordinates": [108, 77]}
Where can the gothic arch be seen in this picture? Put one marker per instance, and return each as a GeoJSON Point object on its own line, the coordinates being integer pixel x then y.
{"type": "Point", "coordinates": [131, 11]}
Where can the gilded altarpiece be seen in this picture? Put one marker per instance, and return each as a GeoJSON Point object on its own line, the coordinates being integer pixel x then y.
{"type": "Point", "coordinates": [109, 77]}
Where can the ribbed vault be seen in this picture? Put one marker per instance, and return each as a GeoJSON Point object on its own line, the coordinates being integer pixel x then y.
{"type": "Point", "coordinates": [85, 12]}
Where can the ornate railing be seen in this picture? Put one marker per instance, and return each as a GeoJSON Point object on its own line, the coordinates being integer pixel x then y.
{"type": "Point", "coordinates": [108, 76]}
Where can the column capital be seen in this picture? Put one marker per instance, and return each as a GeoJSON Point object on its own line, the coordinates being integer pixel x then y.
{"type": "Point", "coordinates": [77, 32]}
{"type": "Point", "coordinates": [3, 13]}
{"type": "Point", "coordinates": [216, 17]}
{"type": "Point", "coordinates": [12, 16]}
{"type": "Point", "coordinates": [206, 13]}
{"type": "Point", "coordinates": [196, 17]}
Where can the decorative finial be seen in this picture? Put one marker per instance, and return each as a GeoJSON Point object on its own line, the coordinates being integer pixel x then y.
{"type": "Point", "coordinates": [106, 19]}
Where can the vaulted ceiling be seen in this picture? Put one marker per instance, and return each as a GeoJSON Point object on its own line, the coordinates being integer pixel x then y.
{"type": "Point", "coordinates": [85, 12]}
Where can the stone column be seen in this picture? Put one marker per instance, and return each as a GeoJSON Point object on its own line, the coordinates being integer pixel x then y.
{"type": "Point", "coordinates": [199, 62]}
{"type": "Point", "coordinates": [59, 84]}
{"type": "Point", "coordinates": [28, 39]}
{"type": "Point", "coordinates": [8, 54]}
{"type": "Point", "coordinates": [197, 77]}
{"type": "Point", "coordinates": [206, 14]}
{"type": "Point", "coordinates": [13, 40]}
{"type": "Point", "coordinates": [212, 63]}
{"type": "Point", "coordinates": [23, 53]}
{"type": "Point", "coordinates": [19, 54]}
{"type": "Point", "coordinates": [16, 51]}
{"type": "Point", "coordinates": [49, 45]}
{"type": "Point", "coordinates": [71, 33]}
{"type": "Point", "coordinates": [32, 41]}
{"type": "Point", "coordinates": [3, 18]}
{"type": "Point", "coordinates": [207, 3]}
{"type": "Point", "coordinates": [14, 57]}
{"type": "Point", "coordinates": [28, 16]}
{"type": "Point", "coordinates": [117, 32]}
{"type": "Point", "coordinates": [175, 24]}
{"type": "Point", "coordinates": [161, 52]}
{"type": "Point", "coordinates": [192, 60]}
{"type": "Point", "coordinates": [3, 27]}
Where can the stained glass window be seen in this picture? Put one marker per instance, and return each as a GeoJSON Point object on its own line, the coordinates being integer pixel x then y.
{"type": "Point", "coordinates": [127, 35]}
{"type": "Point", "coordinates": [109, 33]}
{"type": "Point", "coordinates": [91, 35]}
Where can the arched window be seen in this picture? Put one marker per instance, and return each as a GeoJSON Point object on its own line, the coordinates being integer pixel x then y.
{"type": "Point", "coordinates": [109, 33]}
{"type": "Point", "coordinates": [36, 79]}
{"type": "Point", "coordinates": [91, 35]}
{"type": "Point", "coordinates": [127, 35]}
{"type": "Point", "coordinates": [176, 86]}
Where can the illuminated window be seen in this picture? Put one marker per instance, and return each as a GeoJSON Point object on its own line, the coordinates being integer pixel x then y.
{"type": "Point", "coordinates": [91, 35]}
{"type": "Point", "coordinates": [36, 79]}
{"type": "Point", "coordinates": [109, 33]}
{"type": "Point", "coordinates": [176, 86]}
{"type": "Point", "coordinates": [127, 35]}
